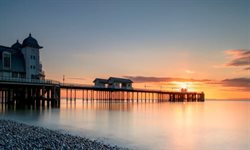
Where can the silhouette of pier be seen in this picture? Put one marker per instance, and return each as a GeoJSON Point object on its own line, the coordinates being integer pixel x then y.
{"type": "Point", "coordinates": [90, 93]}
{"type": "Point", "coordinates": [48, 92]}
{"type": "Point", "coordinates": [29, 92]}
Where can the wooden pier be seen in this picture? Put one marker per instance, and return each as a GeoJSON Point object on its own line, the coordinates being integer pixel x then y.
{"type": "Point", "coordinates": [47, 92]}
{"type": "Point", "coordinates": [29, 92]}
{"type": "Point", "coordinates": [91, 93]}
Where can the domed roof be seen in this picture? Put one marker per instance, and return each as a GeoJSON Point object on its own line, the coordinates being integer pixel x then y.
{"type": "Point", "coordinates": [16, 46]}
{"type": "Point", "coordinates": [30, 42]}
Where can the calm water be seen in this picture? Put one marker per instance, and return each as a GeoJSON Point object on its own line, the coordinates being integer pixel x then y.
{"type": "Point", "coordinates": [210, 125]}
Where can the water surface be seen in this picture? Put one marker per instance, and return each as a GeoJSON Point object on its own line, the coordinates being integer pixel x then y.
{"type": "Point", "coordinates": [193, 125]}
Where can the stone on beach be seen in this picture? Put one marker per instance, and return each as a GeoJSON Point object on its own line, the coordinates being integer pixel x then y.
{"type": "Point", "coordinates": [15, 135]}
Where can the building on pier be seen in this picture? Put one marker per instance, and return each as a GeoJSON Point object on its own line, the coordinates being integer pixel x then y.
{"type": "Point", "coordinates": [112, 82]}
{"type": "Point", "coordinates": [119, 83]}
{"type": "Point", "coordinates": [101, 83]}
{"type": "Point", "coordinates": [21, 60]}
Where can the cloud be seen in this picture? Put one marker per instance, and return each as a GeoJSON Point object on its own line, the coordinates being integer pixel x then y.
{"type": "Point", "coordinates": [239, 83]}
{"type": "Point", "coordinates": [144, 79]}
{"type": "Point", "coordinates": [235, 84]}
{"type": "Point", "coordinates": [239, 58]}
{"type": "Point", "coordinates": [189, 71]}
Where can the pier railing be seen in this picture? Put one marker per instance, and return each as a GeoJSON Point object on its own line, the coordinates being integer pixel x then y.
{"type": "Point", "coordinates": [25, 80]}
{"type": "Point", "coordinates": [75, 85]}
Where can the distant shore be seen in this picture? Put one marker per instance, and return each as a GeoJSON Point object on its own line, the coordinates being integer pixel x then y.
{"type": "Point", "coordinates": [14, 135]}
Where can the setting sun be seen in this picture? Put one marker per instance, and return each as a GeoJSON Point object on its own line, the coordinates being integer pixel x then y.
{"type": "Point", "coordinates": [182, 85]}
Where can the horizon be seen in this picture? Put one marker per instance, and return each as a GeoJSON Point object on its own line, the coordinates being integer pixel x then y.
{"type": "Point", "coordinates": [200, 45]}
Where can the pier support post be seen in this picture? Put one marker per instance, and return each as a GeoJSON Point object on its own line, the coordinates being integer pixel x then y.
{"type": "Point", "coordinates": [48, 96]}
{"type": "Point", "coordinates": [67, 94]}
{"type": "Point", "coordinates": [82, 94]}
{"type": "Point", "coordinates": [43, 96]}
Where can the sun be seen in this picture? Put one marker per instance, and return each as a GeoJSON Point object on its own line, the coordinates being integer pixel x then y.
{"type": "Point", "coordinates": [183, 85]}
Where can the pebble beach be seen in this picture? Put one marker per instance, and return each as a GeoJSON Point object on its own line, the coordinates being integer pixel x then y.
{"type": "Point", "coordinates": [14, 135]}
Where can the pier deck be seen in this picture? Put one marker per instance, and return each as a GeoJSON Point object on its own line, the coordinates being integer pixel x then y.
{"type": "Point", "coordinates": [36, 92]}
{"type": "Point", "coordinates": [29, 91]}
{"type": "Point", "coordinates": [122, 94]}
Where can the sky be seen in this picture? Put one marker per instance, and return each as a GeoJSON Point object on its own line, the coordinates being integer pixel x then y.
{"type": "Point", "coordinates": [160, 44]}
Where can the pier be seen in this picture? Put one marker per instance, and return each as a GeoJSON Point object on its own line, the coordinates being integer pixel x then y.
{"type": "Point", "coordinates": [22, 81]}
{"type": "Point", "coordinates": [48, 92]}
{"type": "Point", "coordinates": [91, 93]}
{"type": "Point", "coordinates": [29, 92]}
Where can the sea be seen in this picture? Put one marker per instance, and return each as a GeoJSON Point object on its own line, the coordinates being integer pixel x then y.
{"type": "Point", "coordinates": [209, 125]}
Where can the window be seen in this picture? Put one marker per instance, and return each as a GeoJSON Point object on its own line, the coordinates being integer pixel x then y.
{"type": "Point", "coordinates": [6, 60]}
{"type": "Point", "coordinates": [22, 75]}
{"type": "Point", "coordinates": [14, 75]}
{"type": "Point", "coordinates": [32, 57]}
{"type": "Point", "coordinates": [34, 76]}
{"type": "Point", "coordinates": [30, 66]}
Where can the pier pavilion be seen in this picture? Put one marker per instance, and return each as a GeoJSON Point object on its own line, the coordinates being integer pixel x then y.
{"type": "Point", "coordinates": [113, 82]}
{"type": "Point", "coordinates": [21, 61]}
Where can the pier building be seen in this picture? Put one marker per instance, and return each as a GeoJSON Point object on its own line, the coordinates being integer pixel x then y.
{"type": "Point", "coordinates": [113, 82]}
{"type": "Point", "coordinates": [21, 60]}
{"type": "Point", "coordinates": [102, 83]}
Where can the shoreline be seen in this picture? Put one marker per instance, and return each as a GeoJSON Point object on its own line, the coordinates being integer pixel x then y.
{"type": "Point", "coordinates": [15, 135]}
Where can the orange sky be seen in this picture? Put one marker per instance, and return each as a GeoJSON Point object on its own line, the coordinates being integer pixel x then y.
{"type": "Point", "coordinates": [219, 78]}
{"type": "Point", "coordinates": [155, 43]}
